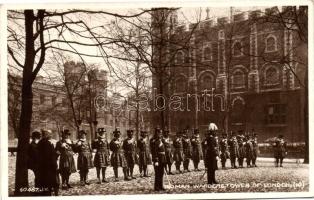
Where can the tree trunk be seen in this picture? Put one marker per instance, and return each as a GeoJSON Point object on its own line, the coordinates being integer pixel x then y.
{"type": "Point", "coordinates": [306, 118]}
{"type": "Point", "coordinates": [21, 173]}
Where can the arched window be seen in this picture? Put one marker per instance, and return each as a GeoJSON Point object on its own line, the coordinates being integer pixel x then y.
{"type": "Point", "coordinates": [238, 79]}
{"type": "Point", "coordinates": [271, 44]}
{"type": "Point", "coordinates": [207, 82]}
{"type": "Point", "coordinates": [179, 57]}
{"type": "Point", "coordinates": [237, 49]}
{"type": "Point", "coordinates": [180, 84]}
{"type": "Point", "coordinates": [271, 76]}
{"type": "Point", "coordinates": [207, 53]}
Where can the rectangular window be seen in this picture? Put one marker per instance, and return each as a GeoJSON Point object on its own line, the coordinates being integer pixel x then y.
{"type": "Point", "coordinates": [42, 99]}
{"type": "Point", "coordinates": [64, 102]}
{"type": "Point", "coordinates": [53, 100]}
{"type": "Point", "coordinates": [276, 114]}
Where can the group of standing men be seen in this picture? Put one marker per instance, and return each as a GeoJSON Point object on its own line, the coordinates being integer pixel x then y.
{"type": "Point", "coordinates": [44, 155]}
{"type": "Point", "coordinates": [160, 150]}
{"type": "Point", "coordinates": [237, 148]}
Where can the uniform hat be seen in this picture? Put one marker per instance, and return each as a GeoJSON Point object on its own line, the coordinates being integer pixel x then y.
{"type": "Point", "coordinates": [65, 132]}
{"type": "Point", "coordinates": [196, 131]}
{"type": "Point", "coordinates": [178, 133]}
{"type": "Point", "coordinates": [143, 132]}
{"type": "Point", "coordinates": [116, 132]}
{"type": "Point", "coordinates": [101, 130]}
{"type": "Point", "coordinates": [36, 134]}
{"type": "Point", "coordinates": [212, 126]}
{"type": "Point", "coordinates": [166, 130]}
{"type": "Point", "coordinates": [280, 136]}
{"type": "Point", "coordinates": [82, 132]}
{"type": "Point", "coordinates": [46, 133]}
{"type": "Point", "coordinates": [129, 131]}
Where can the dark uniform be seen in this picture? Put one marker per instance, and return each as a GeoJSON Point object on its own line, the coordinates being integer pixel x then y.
{"type": "Point", "coordinates": [102, 156]}
{"type": "Point", "coordinates": [212, 153]}
{"type": "Point", "coordinates": [204, 149]}
{"type": "Point", "coordinates": [187, 151]}
{"type": "Point", "coordinates": [117, 157]}
{"type": "Point", "coordinates": [197, 154]}
{"type": "Point", "coordinates": [234, 150]}
{"type": "Point", "coordinates": [85, 158]}
{"type": "Point", "coordinates": [241, 150]}
{"type": "Point", "coordinates": [33, 156]}
{"type": "Point", "coordinates": [169, 157]}
{"type": "Point", "coordinates": [224, 150]}
{"type": "Point", "coordinates": [280, 150]}
{"type": "Point", "coordinates": [159, 159]}
{"type": "Point", "coordinates": [144, 154]}
{"type": "Point", "coordinates": [178, 151]}
{"type": "Point", "coordinates": [255, 150]}
{"type": "Point", "coordinates": [248, 151]}
{"type": "Point", "coordinates": [48, 166]}
{"type": "Point", "coordinates": [65, 148]}
{"type": "Point", "coordinates": [129, 147]}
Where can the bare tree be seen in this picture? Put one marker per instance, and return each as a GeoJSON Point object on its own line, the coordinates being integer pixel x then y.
{"type": "Point", "coordinates": [31, 35]}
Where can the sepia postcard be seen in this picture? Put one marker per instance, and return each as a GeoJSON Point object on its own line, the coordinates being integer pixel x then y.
{"type": "Point", "coordinates": [159, 100]}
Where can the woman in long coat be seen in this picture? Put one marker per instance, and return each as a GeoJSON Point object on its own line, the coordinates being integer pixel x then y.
{"type": "Point", "coordinates": [102, 156]}
{"type": "Point", "coordinates": [144, 154]}
{"type": "Point", "coordinates": [65, 148]}
{"type": "Point", "coordinates": [117, 156]}
{"type": "Point", "coordinates": [47, 165]}
{"type": "Point", "coordinates": [84, 159]}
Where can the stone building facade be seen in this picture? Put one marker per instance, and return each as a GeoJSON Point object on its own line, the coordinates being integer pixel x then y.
{"type": "Point", "coordinates": [249, 66]}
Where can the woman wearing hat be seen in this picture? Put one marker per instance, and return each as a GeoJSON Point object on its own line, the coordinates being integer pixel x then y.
{"type": "Point", "coordinates": [117, 156]}
{"type": "Point", "coordinates": [101, 160]}
{"type": "Point", "coordinates": [65, 147]}
{"type": "Point", "coordinates": [84, 159]}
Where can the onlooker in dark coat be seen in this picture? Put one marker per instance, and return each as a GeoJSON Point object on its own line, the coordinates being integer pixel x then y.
{"type": "Point", "coordinates": [33, 156]}
{"type": "Point", "coordinates": [48, 167]}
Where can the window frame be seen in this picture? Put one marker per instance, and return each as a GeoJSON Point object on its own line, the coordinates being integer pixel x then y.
{"type": "Point", "coordinates": [182, 58]}
{"type": "Point", "coordinates": [207, 46]}
{"type": "Point", "coordinates": [233, 81]}
{"type": "Point", "coordinates": [265, 76]}
{"type": "Point", "coordinates": [240, 50]}
{"type": "Point", "coordinates": [276, 118]}
{"type": "Point", "coordinates": [267, 50]}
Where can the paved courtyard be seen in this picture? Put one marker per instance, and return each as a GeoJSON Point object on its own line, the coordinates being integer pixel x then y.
{"type": "Point", "coordinates": [292, 177]}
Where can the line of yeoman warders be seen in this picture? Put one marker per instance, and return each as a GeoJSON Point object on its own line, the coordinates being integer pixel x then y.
{"type": "Point", "coordinates": [48, 159]}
